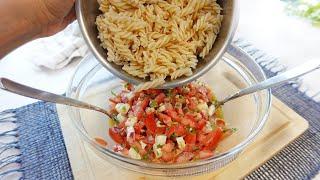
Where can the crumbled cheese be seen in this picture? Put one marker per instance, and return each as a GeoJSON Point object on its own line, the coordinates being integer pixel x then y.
{"type": "Point", "coordinates": [203, 107]}
{"type": "Point", "coordinates": [162, 108]}
{"type": "Point", "coordinates": [143, 145]}
{"type": "Point", "coordinates": [181, 143]}
{"type": "Point", "coordinates": [157, 151]}
{"type": "Point", "coordinates": [211, 110]}
{"type": "Point", "coordinates": [159, 124]}
{"type": "Point", "coordinates": [122, 108]}
{"type": "Point", "coordinates": [160, 140]}
{"type": "Point", "coordinates": [131, 121]}
{"type": "Point", "coordinates": [120, 118]}
{"type": "Point", "coordinates": [134, 154]}
{"type": "Point", "coordinates": [150, 110]}
{"type": "Point", "coordinates": [208, 127]}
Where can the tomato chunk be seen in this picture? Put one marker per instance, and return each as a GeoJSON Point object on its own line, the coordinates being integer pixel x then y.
{"type": "Point", "coordinates": [190, 138]}
{"type": "Point", "coordinates": [114, 133]}
{"type": "Point", "coordinates": [160, 98]}
{"type": "Point", "coordinates": [150, 123]}
{"type": "Point", "coordinates": [165, 118]}
{"type": "Point", "coordinates": [213, 139]}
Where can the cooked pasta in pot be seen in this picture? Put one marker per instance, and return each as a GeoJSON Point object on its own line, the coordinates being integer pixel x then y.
{"type": "Point", "coordinates": [155, 39]}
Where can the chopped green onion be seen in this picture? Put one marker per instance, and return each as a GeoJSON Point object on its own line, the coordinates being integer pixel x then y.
{"type": "Point", "coordinates": [173, 135]}
{"type": "Point", "coordinates": [159, 146]}
{"type": "Point", "coordinates": [113, 93]}
{"type": "Point", "coordinates": [234, 129]}
{"type": "Point", "coordinates": [136, 149]}
{"type": "Point", "coordinates": [153, 104]}
{"type": "Point", "coordinates": [145, 157]}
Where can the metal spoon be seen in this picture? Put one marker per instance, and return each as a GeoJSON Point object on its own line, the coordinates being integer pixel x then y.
{"type": "Point", "coordinates": [274, 81]}
{"type": "Point", "coordinates": [23, 90]}
{"type": "Point", "coordinates": [27, 91]}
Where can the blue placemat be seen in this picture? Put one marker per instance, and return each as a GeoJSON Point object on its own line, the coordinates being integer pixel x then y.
{"type": "Point", "coordinates": [44, 156]}
{"type": "Point", "coordinates": [43, 152]}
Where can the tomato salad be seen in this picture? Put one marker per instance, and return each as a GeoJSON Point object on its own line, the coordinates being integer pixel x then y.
{"type": "Point", "coordinates": [167, 126]}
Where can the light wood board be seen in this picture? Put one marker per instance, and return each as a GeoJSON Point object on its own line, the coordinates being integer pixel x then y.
{"type": "Point", "coordinates": [282, 127]}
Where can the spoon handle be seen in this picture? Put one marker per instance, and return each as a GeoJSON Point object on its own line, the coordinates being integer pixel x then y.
{"type": "Point", "coordinates": [276, 80]}
{"type": "Point", "coordinates": [27, 91]}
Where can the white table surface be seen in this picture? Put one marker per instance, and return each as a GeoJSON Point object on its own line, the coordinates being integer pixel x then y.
{"type": "Point", "coordinates": [262, 23]}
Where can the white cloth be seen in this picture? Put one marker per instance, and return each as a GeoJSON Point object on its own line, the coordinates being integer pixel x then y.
{"type": "Point", "coordinates": [57, 51]}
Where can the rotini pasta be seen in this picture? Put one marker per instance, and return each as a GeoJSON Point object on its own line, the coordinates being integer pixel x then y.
{"type": "Point", "coordinates": [156, 39]}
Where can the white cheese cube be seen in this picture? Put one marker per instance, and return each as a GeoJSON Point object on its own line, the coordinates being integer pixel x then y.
{"type": "Point", "coordinates": [157, 151]}
{"type": "Point", "coordinates": [131, 121]}
{"type": "Point", "coordinates": [162, 108]}
{"type": "Point", "coordinates": [143, 145]}
{"type": "Point", "coordinates": [160, 140]}
{"type": "Point", "coordinates": [134, 154]}
{"type": "Point", "coordinates": [181, 143]}
{"type": "Point", "coordinates": [122, 108]}
{"type": "Point", "coordinates": [203, 107]}
{"type": "Point", "coordinates": [120, 118]}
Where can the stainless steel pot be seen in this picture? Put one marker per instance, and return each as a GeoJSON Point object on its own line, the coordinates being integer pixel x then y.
{"type": "Point", "coordinates": [88, 10]}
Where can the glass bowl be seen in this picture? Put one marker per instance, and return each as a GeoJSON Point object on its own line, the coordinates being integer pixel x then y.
{"type": "Point", "coordinates": [93, 84]}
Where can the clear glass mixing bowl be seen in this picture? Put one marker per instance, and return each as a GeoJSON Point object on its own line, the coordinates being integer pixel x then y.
{"type": "Point", "coordinates": [93, 83]}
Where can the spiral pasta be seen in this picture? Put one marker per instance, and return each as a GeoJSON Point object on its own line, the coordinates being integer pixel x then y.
{"type": "Point", "coordinates": [156, 39]}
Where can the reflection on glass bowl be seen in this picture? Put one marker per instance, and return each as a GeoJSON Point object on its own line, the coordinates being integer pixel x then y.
{"type": "Point", "coordinates": [93, 83]}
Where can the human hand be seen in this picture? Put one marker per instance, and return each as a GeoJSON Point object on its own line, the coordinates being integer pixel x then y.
{"type": "Point", "coordinates": [53, 15]}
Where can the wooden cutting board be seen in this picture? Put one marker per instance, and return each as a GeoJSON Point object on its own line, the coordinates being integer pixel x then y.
{"type": "Point", "coordinates": [283, 126]}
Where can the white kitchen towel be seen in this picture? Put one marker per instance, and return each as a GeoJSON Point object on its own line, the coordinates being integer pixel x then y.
{"type": "Point", "coordinates": [57, 51]}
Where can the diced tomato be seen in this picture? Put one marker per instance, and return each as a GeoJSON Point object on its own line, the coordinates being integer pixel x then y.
{"type": "Point", "coordinates": [150, 123]}
{"type": "Point", "coordinates": [201, 138]}
{"type": "Point", "coordinates": [220, 123]}
{"type": "Point", "coordinates": [213, 139]}
{"type": "Point", "coordinates": [190, 138]}
{"type": "Point", "coordinates": [180, 111]}
{"type": "Point", "coordinates": [191, 104]}
{"type": "Point", "coordinates": [101, 141]}
{"type": "Point", "coordinates": [125, 151]}
{"type": "Point", "coordinates": [153, 91]}
{"type": "Point", "coordinates": [144, 103]}
{"type": "Point", "coordinates": [180, 130]}
{"type": "Point", "coordinates": [115, 100]}
{"type": "Point", "coordinates": [185, 157]}
{"type": "Point", "coordinates": [201, 124]}
{"type": "Point", "coordinates": [167, 156]}
{"type": "Point", "coordinates": [189, 120]}
{"type": "Point", "coordinates": [165, 118]}
{"type": "Point", "coordinates": [138, 137]}
{"type": "Point", "coordinates": [189, 148]}
{"type": "Point", "coordinates": [114, 133]}
{"type": "Point", "coordinates": [173, 114]}
{"type": "Point", "coordinates": [122, 124]}
{"type": "Point", "coordinates": [170, 131]}
{"type": "Point", "coordinates": [203, 90]}
{"type": "Point", "coordinates": [160, 130]}
{"type": "Point", "coordinates": [205, 154]}
{"type": "Point", "coordinates": [168, 147]}
{"type": "Point", "coordinates": [160, 98]}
